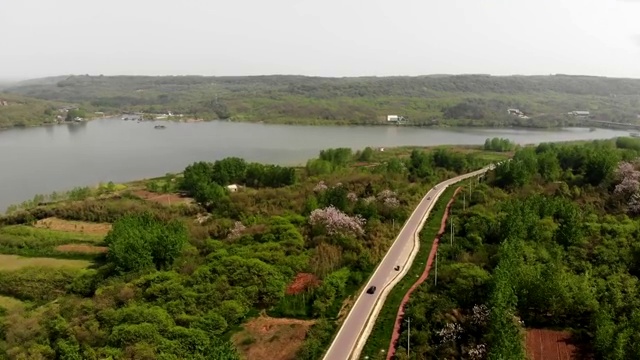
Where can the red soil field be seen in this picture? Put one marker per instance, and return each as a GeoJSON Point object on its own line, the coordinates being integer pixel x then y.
{"type": "Point", "coordinates": [550, 345]}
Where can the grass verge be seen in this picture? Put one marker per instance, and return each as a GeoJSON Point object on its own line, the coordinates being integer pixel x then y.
{"type": "Point", "coordinates": [380, 336]}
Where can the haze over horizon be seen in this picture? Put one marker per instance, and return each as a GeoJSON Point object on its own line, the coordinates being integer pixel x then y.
{"type": "Point", "coordinates": [330, 38]}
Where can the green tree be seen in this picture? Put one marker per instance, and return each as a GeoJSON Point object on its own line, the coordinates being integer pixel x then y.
{"type": "Point", "coordinates": [230, 170]}
{"type": "Point", "coordinates": [141, 241]}
{"type": "Point", "coordinates": [196, 175]}
{"type": "Point", "coordinates": [366, 155]}
{"type": "Point", "coordinates": [549, 166]}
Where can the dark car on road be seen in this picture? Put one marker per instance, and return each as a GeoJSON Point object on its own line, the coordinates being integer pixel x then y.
{"type": "Point", "coordinates": [371, 290]}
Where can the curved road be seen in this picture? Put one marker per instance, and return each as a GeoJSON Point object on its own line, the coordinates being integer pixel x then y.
{"type": "Point", "coordinates": [352, 336]}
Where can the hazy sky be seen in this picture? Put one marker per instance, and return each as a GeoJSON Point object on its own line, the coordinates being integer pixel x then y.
{"type": "Point", "coordinates": [320, 37]}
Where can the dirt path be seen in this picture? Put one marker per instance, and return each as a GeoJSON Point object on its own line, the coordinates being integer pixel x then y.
{"type": "Point", "coordinates": [425, 275]}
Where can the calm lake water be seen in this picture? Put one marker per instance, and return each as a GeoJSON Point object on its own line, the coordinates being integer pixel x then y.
{"type": "Point", "coordinates": [55, 158]}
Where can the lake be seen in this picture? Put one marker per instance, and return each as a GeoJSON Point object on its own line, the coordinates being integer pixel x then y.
{"type": "Point", "coordinates": [56, 158]}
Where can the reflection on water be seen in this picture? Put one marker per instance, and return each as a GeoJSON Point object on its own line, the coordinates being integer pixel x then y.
{"type": "Point", "coordinates": [54, 158]}
{"type": "Point", "coordinates": [76, 128]}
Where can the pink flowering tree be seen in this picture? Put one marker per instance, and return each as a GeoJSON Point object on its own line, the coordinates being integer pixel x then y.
{"type": "Point", "coordinates": [237, 230]}
{"type": "Point", "coordinates": [480, 315]}
{"type": "Point", "coordinates": [626, 170]}
{"type": "Point", "coordinates": [386, 194]}
{"type": "Point", "coordinates": [389, 199]}
{"type": "Point", "coordinates": [391, 202]}
{"type": "Point", "coordinates": [320, 187]}
{"type": "Point", "coordinates": [478, 352]}
{"type": "Point", "coordinates": [628, 185]}
{"type": "Point", "coordinates": [634, 204]}
{"type": "Point", "coordinates": [450, 332]}
{"type": "Point", "coordinates": [335, 222]}
{"type": "Point", "coordinates": [369, 200]}
{"type": "Point", "coordinates": [628, 178]}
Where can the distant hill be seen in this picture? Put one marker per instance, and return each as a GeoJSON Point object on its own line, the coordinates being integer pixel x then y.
{"type": "Point", "coordinates": [457, 99]}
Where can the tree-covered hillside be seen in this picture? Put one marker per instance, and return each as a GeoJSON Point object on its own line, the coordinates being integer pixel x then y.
{"type": "Point", "coordinates": [16, 110]}
{"type": "Point", "coordinates": [479, 100]}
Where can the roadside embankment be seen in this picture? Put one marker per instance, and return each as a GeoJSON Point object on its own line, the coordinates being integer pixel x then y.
{"type": "Point", "coordinates": [423, 277]}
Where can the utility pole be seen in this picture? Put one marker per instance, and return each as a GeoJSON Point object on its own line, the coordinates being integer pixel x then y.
{"type": "Point", "coordinates": [452, 232]}
{"type": "Point", "coordinates": [409, 338]}
{"type": "Point", "coordinates": [436, 280]}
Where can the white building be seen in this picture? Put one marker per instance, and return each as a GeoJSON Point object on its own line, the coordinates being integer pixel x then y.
{"type": "Point", "coordinates": [580, 113]}
{"type": "Point", "coordinates": [395, 118]}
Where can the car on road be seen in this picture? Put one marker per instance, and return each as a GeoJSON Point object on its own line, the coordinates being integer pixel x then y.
{"type": "Point", "coordinates": [371, 290]}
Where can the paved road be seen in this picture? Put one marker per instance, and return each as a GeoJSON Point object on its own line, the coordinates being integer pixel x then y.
{"type": "Point", "coordinates": [346, 341]}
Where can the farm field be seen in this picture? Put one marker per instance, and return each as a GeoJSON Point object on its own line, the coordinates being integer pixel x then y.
{"type": "Point", "coordinates": [272, 338]}
{"type": "Point", "coordinates": [36, 260]}
{"type": "Point", "coordinates": [79, 242]}
{"type": "Point", "coordinates": [550, 345]}
{"type": "Point", "coordinates": [15, 262]}
{"type": "Point", "coordinates": [81, 227]}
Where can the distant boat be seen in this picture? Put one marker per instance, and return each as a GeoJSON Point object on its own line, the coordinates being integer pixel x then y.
{"type": "Point", "coordinates": [635, 134]}
{"type": "Point", "coordinates": [159, 127]}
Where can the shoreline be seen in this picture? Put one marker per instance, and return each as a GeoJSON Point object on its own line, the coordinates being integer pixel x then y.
{"type": "Point", "coordinates": [140, 183]}
{"type": "Point", "coordinates": [312, 123]}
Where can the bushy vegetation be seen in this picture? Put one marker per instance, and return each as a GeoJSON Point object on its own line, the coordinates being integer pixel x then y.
{"type": "Point", "coordinates": [470, 100]}
{"type": "Point", "coordinates": [75, 194]}
{"type": "Point", "coordinates": [548, 242]}
{"type": "Point", "coordinates": [206, 182]}
{"type": "Point", "coordinates": [178, 280]}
